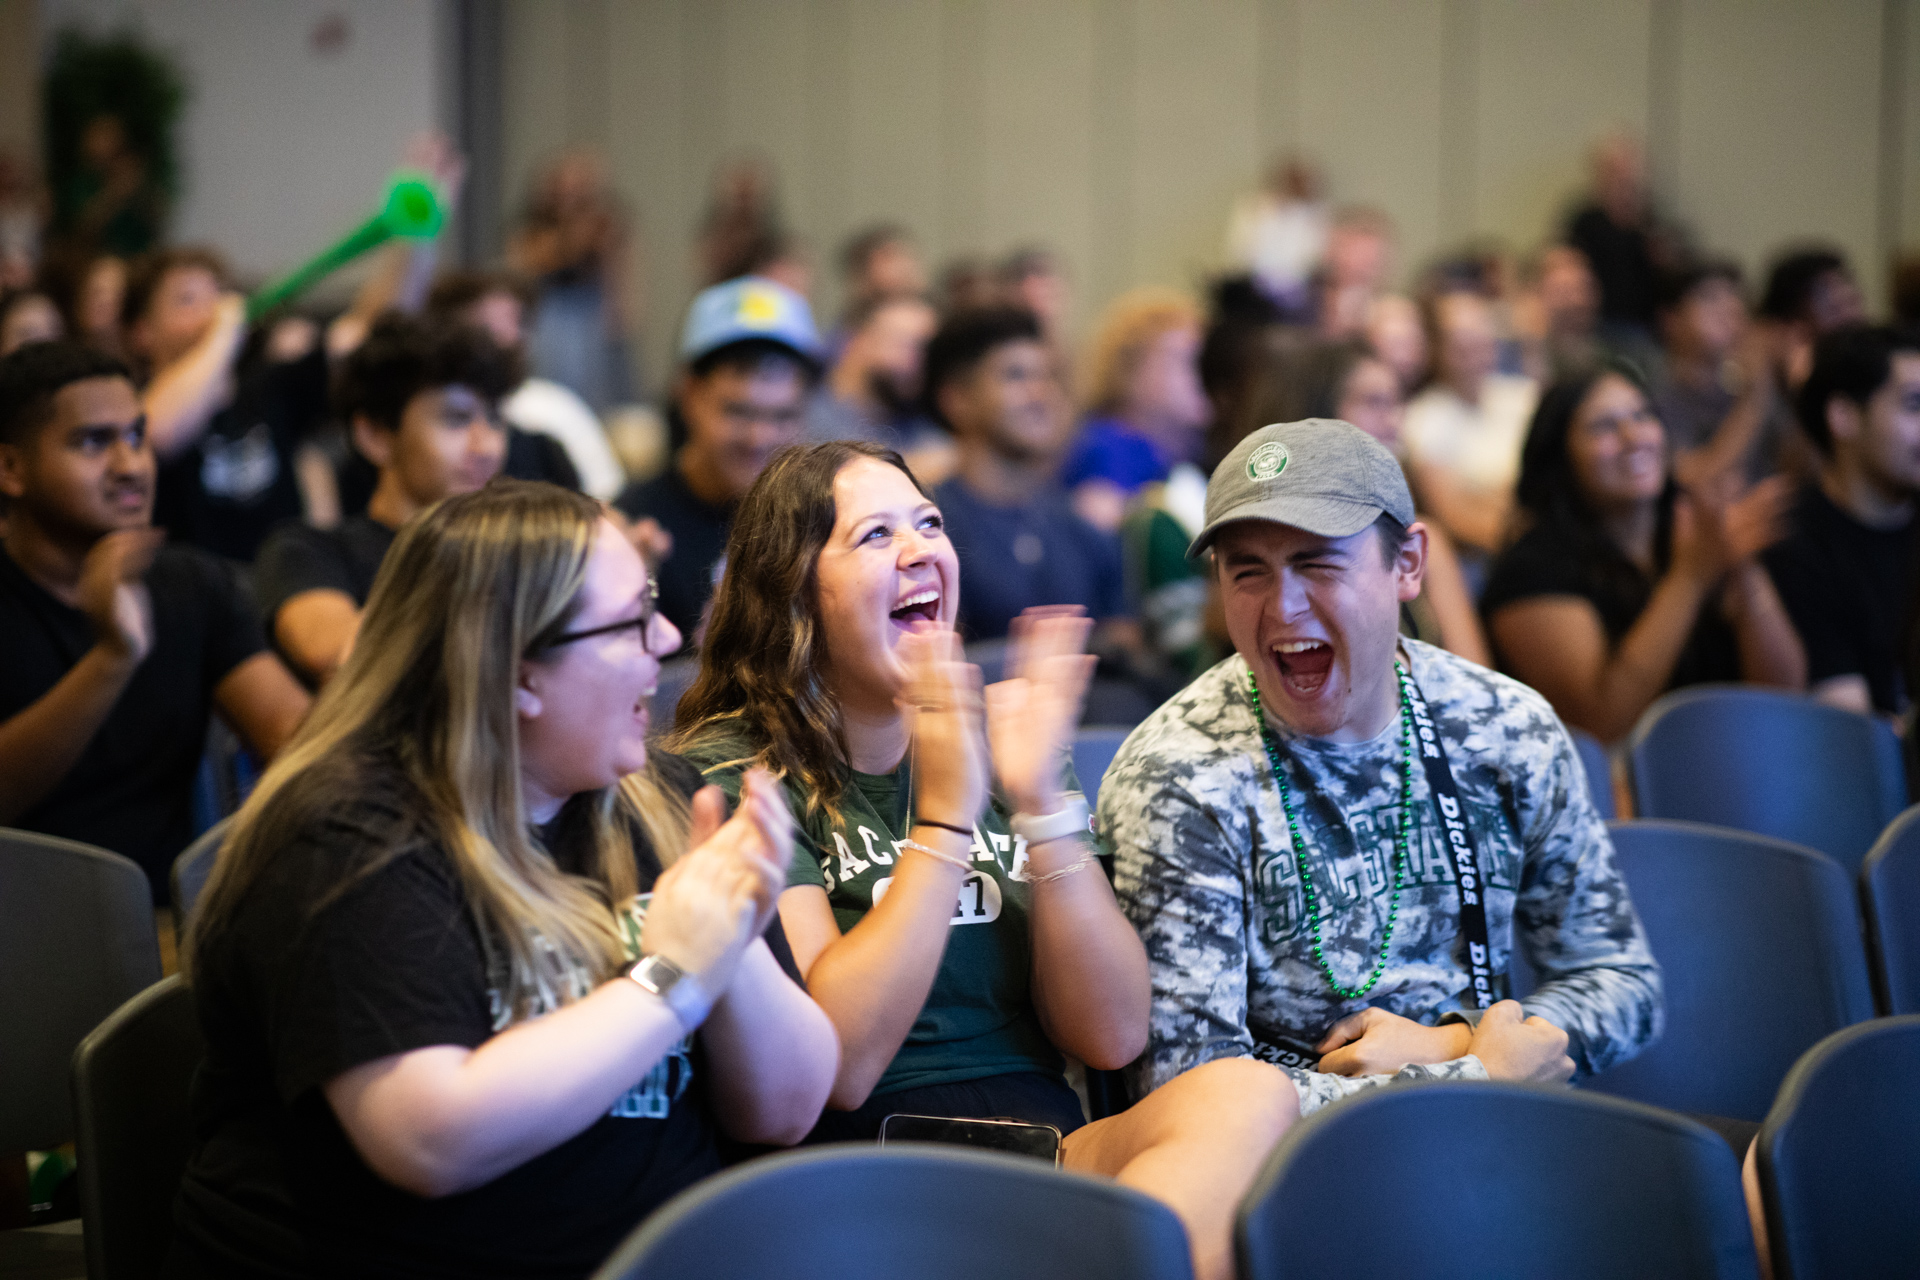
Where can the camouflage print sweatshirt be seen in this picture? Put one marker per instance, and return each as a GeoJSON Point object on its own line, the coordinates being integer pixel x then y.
{"type": "Point", "coordinates": [1207, 874]}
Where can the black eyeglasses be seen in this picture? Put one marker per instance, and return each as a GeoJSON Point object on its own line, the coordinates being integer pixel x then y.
{"type": "Point", "coordinates": [641, 622]}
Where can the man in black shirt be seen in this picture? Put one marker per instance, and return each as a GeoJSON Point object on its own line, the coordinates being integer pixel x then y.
{"type": "Point", "coordinates": [423, 400]}
{"type": "Point", "coordinates": [113, 648]}
{"type": "Point", "coordinates": [1846, 571]}
{"type": "Point", "coordinates": [991, 381]}
{"type": "Point", "coordinates": [1623, 241]}
{"type": "Point", "coordinates": [751, 356]}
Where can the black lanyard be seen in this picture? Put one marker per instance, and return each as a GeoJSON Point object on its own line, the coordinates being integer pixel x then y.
{"type": "Point", "coordinates": [1459, 840]}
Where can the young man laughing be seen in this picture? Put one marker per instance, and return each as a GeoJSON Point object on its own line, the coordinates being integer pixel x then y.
{"type": "Point", "coordinates": [1333, 840]}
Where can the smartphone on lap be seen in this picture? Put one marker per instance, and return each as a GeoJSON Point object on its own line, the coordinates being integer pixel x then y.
{"type": "Point", "coordinates": [1015, 1137]}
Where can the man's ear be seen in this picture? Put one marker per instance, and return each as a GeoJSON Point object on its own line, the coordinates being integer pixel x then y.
{"type": "Point", "coordinates": [374, 442]}
{"type": "Point", "coordinates": [1844, 419]}
{"type": "Point", "coordinates": [1410, 565]}
{"type": "Point", "coordinates": [13, 471]}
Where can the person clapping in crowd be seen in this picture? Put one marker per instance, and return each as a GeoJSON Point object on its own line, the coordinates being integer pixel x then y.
{"type": "Point", "coordinates": [944, 902]}
{"type": "Point", "coordinates": [1622, 585]}
{"type": "Point", "coordinates": [1846, 569]}
{"type": "Point", "coordinates": [423, 402]}
{"type": "Point", "coordinates": [1284, 827]}
{"type": "Point", "coordinates": [114, 649]}
{"type": "Point", "coordinates": [1719, 397]}
{"type": "Point", "coordinates": [483, 978]}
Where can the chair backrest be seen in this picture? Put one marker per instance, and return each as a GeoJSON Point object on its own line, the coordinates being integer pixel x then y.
{"type": "Point", "coordinates": [76, 941]}
{"type": "Point", "coordinates": [1839, 1157]}
{"type": "Point", "coordinates": [1760, 955]}
{"type": "Point", "coordinates": [1094, 747]}
{"type": "Point", "coordinates": [191, 869]}
{"type": "Point", "coordinates": [1890, 885]}
{"type": "Point", "coordinates": [131, 1081]}
{"type": "Point", "coordinates": [1458, 1179]}
{"type": "Point", "coordinates": [676, 677]}
{"type": "Point", "coordinates": [934, 1213]}
{"type": "Point", "coordinates": [1773, 763]}
{"type": "Point", "coordinates": [1599, 767]}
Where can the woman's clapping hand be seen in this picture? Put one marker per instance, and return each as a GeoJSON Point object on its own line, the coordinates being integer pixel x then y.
{"type": "Point", "coordinates": [1032, 714]}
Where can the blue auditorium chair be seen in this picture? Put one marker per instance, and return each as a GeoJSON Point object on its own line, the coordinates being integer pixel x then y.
{"type": "Point", "coordinates": [1094, 747]}
{"type": "Point", "coordinates": [1890, 885]}
{"type": "Point", "coordinates": [1839, 1158]}
{"type": "Point", "coordinates": [1760, 954]}
{"type": "Point", "coordinates": [1777, 764]}
{"type": "Point", "coordinates": [849, 1212]}
{"type": "Point", "coordinates": [1457, 1180]}
{"type": "Point", "coordinates": [191, 869]}
{"type": "Point", "coordinates": [1593, 757]}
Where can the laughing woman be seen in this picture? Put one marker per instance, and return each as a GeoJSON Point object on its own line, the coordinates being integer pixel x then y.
{"type": "Point", "coordinates": [1622, 586]}
{"type": "Point", "coordinates": [425, 1055]}
{"type": "Point", "coordinates": [944, 902]}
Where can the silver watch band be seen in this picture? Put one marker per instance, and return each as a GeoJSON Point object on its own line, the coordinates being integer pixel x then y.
{"type": "Point", "coordinates": [681, 991]}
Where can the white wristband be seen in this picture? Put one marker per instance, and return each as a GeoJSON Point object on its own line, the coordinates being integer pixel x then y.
{"type": "Point", "coordinates": [1070, 819]}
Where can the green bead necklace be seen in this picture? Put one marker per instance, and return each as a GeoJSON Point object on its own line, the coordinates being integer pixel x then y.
{"type": "Point", "coordinates": [1299, 845]}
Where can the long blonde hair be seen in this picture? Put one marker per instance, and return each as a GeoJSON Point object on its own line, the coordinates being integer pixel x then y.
{"type": "Point", "coordinates": [468, 589]}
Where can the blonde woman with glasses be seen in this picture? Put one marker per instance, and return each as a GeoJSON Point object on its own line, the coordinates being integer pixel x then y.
{"type": "Point", "coordinates": [483, 980]}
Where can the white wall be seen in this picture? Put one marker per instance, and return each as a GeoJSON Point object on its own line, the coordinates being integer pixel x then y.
{"type": "Point", "coordinates": [1117, 131]}
{"type": "Point", "coordinates": [283, 147]}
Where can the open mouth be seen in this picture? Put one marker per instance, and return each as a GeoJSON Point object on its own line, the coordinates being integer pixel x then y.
{"type": "Point", "coordinates": [921, 606]}
{"type": "Point", "coordinates": [1304, 665]}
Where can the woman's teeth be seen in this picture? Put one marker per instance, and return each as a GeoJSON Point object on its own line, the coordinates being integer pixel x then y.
{"type": "Point", "coordinates": [921, 604]}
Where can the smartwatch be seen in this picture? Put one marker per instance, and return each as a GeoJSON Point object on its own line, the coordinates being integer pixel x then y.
{"type": "Point", "coordinates": [1069, 819]}
{"type": "Point", "coordinates": [679, 990]}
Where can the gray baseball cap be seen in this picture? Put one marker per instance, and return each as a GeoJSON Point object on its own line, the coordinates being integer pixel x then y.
{"type": "Point", "coordinates": [1322, 475]}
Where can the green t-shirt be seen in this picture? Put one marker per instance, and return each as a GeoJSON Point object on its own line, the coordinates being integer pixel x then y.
{"type": "Point", "coordinates": [979, 1018]}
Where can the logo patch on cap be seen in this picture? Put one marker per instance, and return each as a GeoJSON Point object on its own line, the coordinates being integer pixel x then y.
{"type": "Point", "coordinates": [759, 308]}
{"type": "Point", "coordinates": [1268, 461]}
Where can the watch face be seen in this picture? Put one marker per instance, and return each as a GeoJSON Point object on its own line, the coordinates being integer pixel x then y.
{"type": "Point", "coordinates": [657, 974]}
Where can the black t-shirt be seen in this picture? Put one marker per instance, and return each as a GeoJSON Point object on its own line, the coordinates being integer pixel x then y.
{"type": "Point", "coordinates": [699, 530]}
{"type": "Point", "coordinates": [131, 791]}
{"type": "Point", "coordinates": [1546, 562]}
{"type": "Point", "coordinates": [238, 480]}
{"type": "Point", "coordinates": [1036, 554]}
{"type": "Point", "coordinates": [530, 456]}
{"type": "Point", "coordinates": [1622, 263]}
{"type": "Point", "coordinates": [1846, 586]}
{"type": "Point", "coordinates": [357, 943]}
{"type": "Point", "coordinates": [297, 557]}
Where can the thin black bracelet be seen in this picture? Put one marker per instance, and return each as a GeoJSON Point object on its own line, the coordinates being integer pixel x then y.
{"type": "Point", "coordinates": [944, 826]}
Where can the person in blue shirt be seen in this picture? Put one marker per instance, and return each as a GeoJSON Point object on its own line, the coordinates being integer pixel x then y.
{"type": "Point", "coordinates": [1146, 405]}
{"type": "Point", "coordinates": [991, 382]}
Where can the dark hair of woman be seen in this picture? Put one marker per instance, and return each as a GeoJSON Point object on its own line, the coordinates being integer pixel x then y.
{"type": "Point", "coordinates": [1549, 494]}
{"type": "Point", "coordinates": [762, 661]}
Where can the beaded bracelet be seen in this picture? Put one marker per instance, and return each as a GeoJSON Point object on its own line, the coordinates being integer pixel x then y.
{"type": "Point", "coordinates": [1062, 873]}
{"type": "Point", "coordinates": [948, 858]}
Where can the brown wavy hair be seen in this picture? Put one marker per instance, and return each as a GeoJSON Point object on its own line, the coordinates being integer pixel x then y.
{"type": "Point", "coordinates": [763, 662]}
